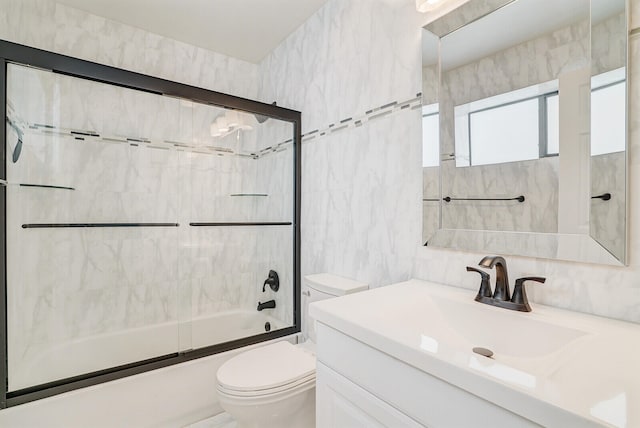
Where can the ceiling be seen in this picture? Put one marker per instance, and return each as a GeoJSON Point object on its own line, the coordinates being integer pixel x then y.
{"type": "Point", "coordinates": [244, 29]}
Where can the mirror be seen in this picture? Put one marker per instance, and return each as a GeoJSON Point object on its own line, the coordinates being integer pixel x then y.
{"type": "Point", "coordinates": [524, 131]}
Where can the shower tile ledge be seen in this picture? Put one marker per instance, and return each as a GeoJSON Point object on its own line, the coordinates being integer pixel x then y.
{"type": "Point", "coordinates": [551, 366]}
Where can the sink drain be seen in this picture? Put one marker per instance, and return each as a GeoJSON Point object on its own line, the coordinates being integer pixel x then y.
{"type": "Point", "coordinates": [483, 351]}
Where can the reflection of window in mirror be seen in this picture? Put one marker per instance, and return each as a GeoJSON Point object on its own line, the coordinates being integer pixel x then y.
{"type": "Point", "coordinates": [515, 126]}
{"type": "Point", "coordinates": [608, 92]}
{"type": "Point", "coordinates": [430, 136]}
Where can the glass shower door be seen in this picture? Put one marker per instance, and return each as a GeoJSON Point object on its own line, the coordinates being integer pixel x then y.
{"type": "Point", "coordinates": [237, 196]}
{"type": "Point", "coordinates": [92, 226]}
{"type": "Point", "coordinates": [142, 229]}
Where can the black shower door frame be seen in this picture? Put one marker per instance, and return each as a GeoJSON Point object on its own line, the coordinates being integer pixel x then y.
{"type": "Point", "coordinates": [66, 65]}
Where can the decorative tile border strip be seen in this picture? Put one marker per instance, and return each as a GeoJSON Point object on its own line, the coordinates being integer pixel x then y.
{"type": "Point", "coordinates": [370, 115]}
{"type": "Point", "coordinates": [316, 134]}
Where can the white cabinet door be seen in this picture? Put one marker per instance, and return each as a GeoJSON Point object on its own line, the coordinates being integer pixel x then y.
{"type": "Point", "coordinates": [340, 403]}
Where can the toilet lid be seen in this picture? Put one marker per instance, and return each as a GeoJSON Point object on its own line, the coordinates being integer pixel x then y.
{"type": "Point", "coordinates": [267, 367]}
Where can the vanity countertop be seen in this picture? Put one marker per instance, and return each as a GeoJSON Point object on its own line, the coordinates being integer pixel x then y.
{"type": "Point", "coordinates": [549, 365]}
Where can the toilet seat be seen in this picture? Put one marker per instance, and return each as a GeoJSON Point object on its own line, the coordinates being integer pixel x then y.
{"type": "Point", "coordinates": [272, 369]}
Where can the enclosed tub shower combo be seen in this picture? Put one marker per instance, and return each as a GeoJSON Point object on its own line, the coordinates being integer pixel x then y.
{"type": "Point", "coordinates": [144, 223]}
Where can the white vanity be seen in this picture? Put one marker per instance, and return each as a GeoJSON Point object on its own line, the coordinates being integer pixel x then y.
{"type": "Point", "coordinates": [402, 355]}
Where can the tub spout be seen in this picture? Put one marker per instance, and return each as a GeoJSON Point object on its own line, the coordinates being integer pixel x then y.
{"type": "Point", "coordinates": [270, 304]}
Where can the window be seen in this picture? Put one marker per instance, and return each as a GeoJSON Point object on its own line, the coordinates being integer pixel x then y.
{"type": "Point", "coordinates": [608, 116]}
{"type": "Point", "coordinates": [504, 134]}
{"type": "Point", "coordinates": [516, 126]}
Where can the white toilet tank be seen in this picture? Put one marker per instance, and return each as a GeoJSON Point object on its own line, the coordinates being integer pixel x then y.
{"type": "Point", "coordinates": [321, 286]}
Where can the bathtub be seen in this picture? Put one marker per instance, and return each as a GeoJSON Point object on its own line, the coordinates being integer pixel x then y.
{"type": "Point", "coordinates": [170, 397]}
{"type": "Point", "coordinates": [45, 364]}
{"type": "Point", "coordinates": [230, 325]}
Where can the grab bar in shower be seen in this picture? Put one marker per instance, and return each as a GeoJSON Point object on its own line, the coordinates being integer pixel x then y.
{"type": "Point", "coordinates": [5, 183]}
{"type": "Point", "coordinates": [79, 225]}
{"type": "Point", "coordinates": [46, 186]}
{"type": "Point", "coordinates": [232, 224]}
{"type": "Point", "coordinates": [517, 198]}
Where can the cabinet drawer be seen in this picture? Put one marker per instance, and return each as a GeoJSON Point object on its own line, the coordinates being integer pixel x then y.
{"type": "Point", "coordinates": [425, 398]}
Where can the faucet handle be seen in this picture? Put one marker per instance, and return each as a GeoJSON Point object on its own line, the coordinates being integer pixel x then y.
{"type": "Point", "coordinates": [272, 281]}
{"type": "Point", "coordinates": [485, 284]}
{"type": "Point", "coordinates": [520, 292]}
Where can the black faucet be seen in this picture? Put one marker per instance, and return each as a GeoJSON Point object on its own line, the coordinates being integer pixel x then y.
{"type": "Point", "coordinates": [500, 297]}
{"type": "Point", "coordinates": [270, 304]}
{"type": "Point", "coordinates": [501, 292]}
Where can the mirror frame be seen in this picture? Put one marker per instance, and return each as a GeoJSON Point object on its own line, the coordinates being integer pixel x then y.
{"type": "Point", "coordinates": [556, 246]}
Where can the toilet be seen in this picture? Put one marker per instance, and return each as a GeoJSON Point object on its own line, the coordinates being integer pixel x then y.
{"type": "Point", "coordinates": [274, 385]}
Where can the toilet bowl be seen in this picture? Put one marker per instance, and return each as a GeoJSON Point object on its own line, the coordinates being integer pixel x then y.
{"type": "Point", "coordinates": [274, 385]}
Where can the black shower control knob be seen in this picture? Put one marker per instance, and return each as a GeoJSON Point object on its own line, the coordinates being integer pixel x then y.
{"type": "Point", "coordinates": [272, 281]}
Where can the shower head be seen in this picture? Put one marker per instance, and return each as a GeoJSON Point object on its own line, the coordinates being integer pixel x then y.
{"type": "Point", "coordinates": [261, 118]}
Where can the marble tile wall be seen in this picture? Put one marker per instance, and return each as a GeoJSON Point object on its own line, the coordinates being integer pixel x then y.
{"type": "Point", "coordinates": [602, 290]}
{"type": "Point", "coordinates": [347, 58]}
{"type": "Point", "coordinates": [357, 216]}
{"type": "Point", "coordinates": [361, 187]}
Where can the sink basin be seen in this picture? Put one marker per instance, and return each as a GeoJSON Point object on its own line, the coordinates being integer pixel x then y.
{"type": "Point", "coordinates": [502, 331]}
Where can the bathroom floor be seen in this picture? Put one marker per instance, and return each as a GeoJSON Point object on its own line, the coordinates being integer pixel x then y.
{"type": "Point", "coordinates": [223, 420]}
